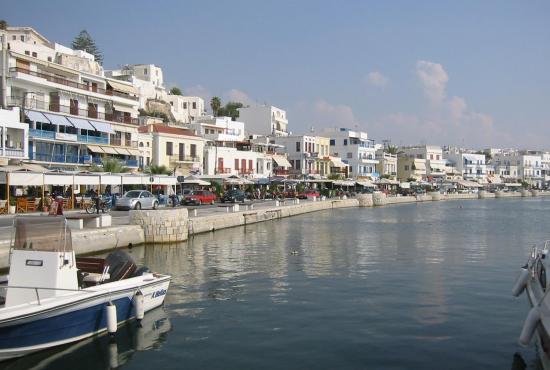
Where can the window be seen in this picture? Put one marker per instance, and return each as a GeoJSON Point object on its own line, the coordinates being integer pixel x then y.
{"type": "Point", "coordinates": [298, 164]}
{"type": "Point", "coordinates": [431, 156]}
{"type": "Point", "coordinates": [345, 141]}
{"type": "Point", "coordinates": [181, 151]}
{"type": "Point", "coordinates": [22, 37]}
{"type": "Point", "coordinates": [406, 167]}
{"type": "Point", "coordinates": [350, 155]}
{"type": "Point", "coordinates": [193, 150]}
{"type": "Point", "coordinates": [438, 157]}
{"type": "Point", "coordinates": [49, 59]}
{"type": "Point", "coordinates": [297, 146]}
{"type": "Point", "coordinates": [169, 148]}
{"type": "Point", "coordinates": [250, 165]}
{"type": "Point", "coordinates": [34, 54]}
{"type": "Point", "coordinates": [236, 164]}
{"type": "Point", "coordinates": [194, 105]}
{"type": "Point", "coordinates": [14, 37]}
{"type": "Point", "coordinates": [332, 142]}
{"type": "Point", "coordinates": [184, 105]}
{"type": "Point", "coordinates": [27, 52]}
{"type": "Point", "coordinates": [243, 165]}
{"type": "Point", "coordinates": [145, 71]}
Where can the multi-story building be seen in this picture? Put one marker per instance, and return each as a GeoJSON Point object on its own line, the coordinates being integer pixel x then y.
{"type": "Point", "coordinates": [264, 120]}
{"type": "Point", "coordinates": [244, 159]}
{"type": "Point", "coordinates": [433, 155]}
{"type": "Point", "coordinates": [75, 115]}
{"type": "Point", "coordinates": [522, 165]}
{"type": "Point", "coordinates": [410, 168]}
{"type": "Point", "coordinates": [145, 147]}
{"type": "Point", "coordinates": [387, 163]}
{"type": "Point", "coordinates": [178, 149]}
{"type": "Point", "coordinates": [218, 129]}
{"type": "Point", "coordinates": [471, 165]}
{"type": "Point", "coordinates": [186, 109]}
{"type": "Point", "coordinates": [322, 156]}
{"type": "Point", "coordinates": [355, 149]}
{"type": "Point", "coordinates": [14, 136]}
{"type": "Point", "coordinates": [302, 153]}
{"type": "Point", "coordinates": [147, 78]}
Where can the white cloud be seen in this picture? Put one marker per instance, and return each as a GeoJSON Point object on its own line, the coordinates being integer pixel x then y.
{"type": "Point", "coordinates": [320, 114]}
{"type": "Point", "coordinates": [377, 79]}
{"type": "Point", "coordinates": [236, 95]}
{"type": "Point", "coordinates": [434, 80]}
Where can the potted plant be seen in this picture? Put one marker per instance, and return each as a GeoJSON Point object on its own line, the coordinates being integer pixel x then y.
{"type": "Point", "coordinates": [12, 205]}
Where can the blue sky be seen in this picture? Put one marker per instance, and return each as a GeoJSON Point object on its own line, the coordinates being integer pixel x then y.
{"type": "Point", "coordinates": [471, 73]}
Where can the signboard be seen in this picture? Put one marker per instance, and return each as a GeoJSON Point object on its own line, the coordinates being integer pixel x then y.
{"type": "Point", "coordinates": [66, 137]}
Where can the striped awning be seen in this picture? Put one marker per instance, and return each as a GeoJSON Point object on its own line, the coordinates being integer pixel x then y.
{"type": "Point", "coordinates": [58, 120]}
{"type": "Point", "coordinates": [102, 127]}
{"type": "Point", "coordinates": [36, 116]}
{"type": "Point", "coordinates": [95, 148]}
{"type": "Point", "coordinates": [81, 123]}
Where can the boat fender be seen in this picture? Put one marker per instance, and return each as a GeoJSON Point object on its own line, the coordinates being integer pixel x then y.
{"type": "Point", "coordinates": [112, 325]}
{"type": "Point", "coordinates": [529, 326]}
{"type": "Point", "coordinates": [113, 355]}
{"type": "Point", "coordinates": [139, 305]}
{"type": "Point", "coordinates": [521, 282]}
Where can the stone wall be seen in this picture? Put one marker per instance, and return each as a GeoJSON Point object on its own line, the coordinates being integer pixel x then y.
{"type": "Point", "coordinates": [162, 226]}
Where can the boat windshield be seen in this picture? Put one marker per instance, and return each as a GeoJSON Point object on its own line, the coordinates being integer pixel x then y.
{"type": "Point", "coordinates": [42, 234]}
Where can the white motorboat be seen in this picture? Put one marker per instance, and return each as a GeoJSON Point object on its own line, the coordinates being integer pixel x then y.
{"type": "Point", "coordinates": [51, 297]}
{"type": "Point", "coordinates": [532, 279]}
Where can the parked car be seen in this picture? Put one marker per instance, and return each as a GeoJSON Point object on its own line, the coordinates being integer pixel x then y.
{"type": "Point", "coordinates": [198, 197]}
{"type": "Point", "coordinates": [310, 193]}
{"type": "Point", "coordinates": [137, 199]}
{"type": "Point", "coordinates": [233, 196]}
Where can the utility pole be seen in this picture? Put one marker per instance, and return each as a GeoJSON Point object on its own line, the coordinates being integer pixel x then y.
{"type": "Point", "coordinates": [4, 71]}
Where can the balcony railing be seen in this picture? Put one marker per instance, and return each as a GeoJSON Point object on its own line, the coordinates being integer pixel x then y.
{"type": "Point", "coordinates": [12, 152]}
{"type": "Point", "coordinates": [70, 83]}
{"type": "Point", "coordinates": [184, 158]}
{"type": "Point", "coordinates": [41, 134]}
{"type": "Point", "coordinates": [72, 110]}
{"type": "Point", "coordinates": [93, 139]}
{"type": "Point", "coordinates": [280, 171]}
{"type": "Point", "coordinates": [122, 142]}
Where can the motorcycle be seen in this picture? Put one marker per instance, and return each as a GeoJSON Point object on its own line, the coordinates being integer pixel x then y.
{"type": "Point", "coordinates": [105, 205]}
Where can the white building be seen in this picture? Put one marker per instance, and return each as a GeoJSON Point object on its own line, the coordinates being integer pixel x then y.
{"type": "Point", "coordinates": [264, 120]}
{"type": "Point", "coordinates": [14, 136]}
{"type": "Point", "coordinates": [241, 160]}
{"type": "Point", "coordinates": [522, 165]}
{"type": "Point", "coordinates": [302, 153]}
{"type": "Point", "coordinates": [355, 149]}
{"type": "Point", "coordinates": [186, 109]}
{"type": "Point", "coordinates": [75, 115]}
{"type": "Point", "coordinates": [387, 163]}
{"type": "Point", "coordinates": [147, 78]}
{"type": "Point", "coordinates": [471, 165]}
{"type": "Point", "coordinates": [218, 128]}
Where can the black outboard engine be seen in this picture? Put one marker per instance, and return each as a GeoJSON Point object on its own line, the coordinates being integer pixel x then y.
{"type": "Point", "coordinates": [121, 265]}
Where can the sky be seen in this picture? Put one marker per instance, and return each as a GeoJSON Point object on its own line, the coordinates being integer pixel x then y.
{"type": "Point", "coordinates": [466, 73]}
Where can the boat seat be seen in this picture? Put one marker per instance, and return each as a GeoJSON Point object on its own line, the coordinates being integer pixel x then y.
{"type": "Point", "coordinates": [95, 279]}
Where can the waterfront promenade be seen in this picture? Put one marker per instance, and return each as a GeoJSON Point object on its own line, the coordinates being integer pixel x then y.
{"type": "Point", "coordinates": [178, 224]}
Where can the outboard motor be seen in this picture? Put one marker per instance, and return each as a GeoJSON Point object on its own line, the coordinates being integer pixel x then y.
{"type": "Point", "coordinates": [121, 265]}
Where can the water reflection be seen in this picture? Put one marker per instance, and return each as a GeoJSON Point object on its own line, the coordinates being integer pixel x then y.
{"type": "Point", "coordinates": [101, 352]}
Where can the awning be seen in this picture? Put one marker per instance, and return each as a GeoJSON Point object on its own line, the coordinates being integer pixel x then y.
{"type": "Point", "coordinates": [134, 152]}
{"type": "Point", "coordinates": [110, 180]}
{"type": "Point", "coordinates": [58, 120]}
{"type": "Point", "coordinates": [132, 180]}
{"type": "Point", "coordinates": [103, 127]}
{"type": "Point", "coordinates": [36, 116]}
{"type": "Point", "coordinates": [81, 123]}
{"type": "Point", "coordinates": [95, 148]}
{"type": "Point", "coordinates": [109, 150]}
{"type": "Point", "coordinates": [86, 179]}
{"type": "Point", "coordinates": [343, 183]}
{"type": "Point", "coordinates": [512, 184]}
{"type": "Point", "coordinates": [122, 151]}
{"type": "Point", "coordinates": [25, 178]}
{"type": "Point", "coordinates": [122, 108]}
{"type": "Point", "coordinates": [58, 179]}
{"type": "Point", "coordinates": [281, 161]}
{"type": "Point", "coordinates": [122, 128]}
{"type": "Point", "coordinates": [367, 184]}
{"type": "Point", "coordinates": [164, 180]}
{"type": "Point", "coordinates": [337, 162]}
{"type": "Point", "coordinates": [119, 86]}
{"type": "Point", "coordinates": [468, 184]}
{"type": "Point", "coordinates": [420, 165]}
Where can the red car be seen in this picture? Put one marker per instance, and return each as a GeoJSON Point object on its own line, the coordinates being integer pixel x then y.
{"type": "Point", "coordinates": [310, 193]}
{"type": "Point", "coordinates": [198, 197]}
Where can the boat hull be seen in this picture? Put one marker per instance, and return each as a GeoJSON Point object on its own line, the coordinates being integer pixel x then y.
{"type": "Point", "coordinates": [71, 320]}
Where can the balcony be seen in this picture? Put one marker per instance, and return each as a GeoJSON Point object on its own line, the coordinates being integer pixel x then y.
{"type": "Point", "coordinates": [131, 163]}
{"type": "Point", "coordinates": [125, 143]}
{"type": "Point", "coordinates": [93, 139]}
{"type": "Point", "coordinates": [183, 159]}
{"type": "Point", "coordinates": [12, 152]}
{"type": "Point", "coordinates": [70, 83]}
{"type": "Point", "coordinates": [280, 172]}
{"type": "Point", "coordinates": [41, 134]}
{"type": "Point", "coordinates": [72, 110]}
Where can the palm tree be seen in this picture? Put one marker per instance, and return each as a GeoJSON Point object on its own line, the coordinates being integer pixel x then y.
{"type": "Point", "coordinates": [391, 149]}
{"type": "Point", "coordinates": [157, 170]}
{"type": "Point", "coordinates": [215, 104]}
{"type": "Point", "coordinates": [112, 165]}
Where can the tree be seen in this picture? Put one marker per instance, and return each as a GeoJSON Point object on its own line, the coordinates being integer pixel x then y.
{"type": "Point", "coordinates": [85, 42]}
{"type": "Point", "coordinates": [391, 149]}
{"type": "Point", "coordinates": [215, 104]}
{"type": "Point", "coordinates": [3, 24]}
{"type": "Point", "coordinates": [231, 109]}
{"type": "Point", "coordinates": [175, 91]}
{"type": "Point", "coordinates": [112, 165]}
{"type": "Point", "coordinates": [157, 170]}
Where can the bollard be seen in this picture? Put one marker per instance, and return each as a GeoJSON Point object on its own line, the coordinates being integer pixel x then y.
{"type": "Point", "coordinates": [195, 212]}
{"type": "Point", "coordinates": [276, 203]}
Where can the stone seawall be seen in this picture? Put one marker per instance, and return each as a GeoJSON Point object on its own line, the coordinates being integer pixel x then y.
{"type": "Point", "coordinates": [162, 226]}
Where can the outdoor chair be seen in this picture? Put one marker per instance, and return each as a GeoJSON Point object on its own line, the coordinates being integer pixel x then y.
{"type": "Point", "coordinates": [32, 206]}
{"type": "Point", "coordinates": [21, 205]}
{"type": "Point", "coordinates": [3, 206]}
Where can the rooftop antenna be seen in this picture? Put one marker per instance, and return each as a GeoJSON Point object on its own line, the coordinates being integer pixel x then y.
{"type": "Point", "coordinates": [312, 129]}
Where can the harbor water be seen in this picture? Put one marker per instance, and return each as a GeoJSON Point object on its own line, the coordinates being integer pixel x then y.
{"type": "Point", "coordinates": [415, 286]}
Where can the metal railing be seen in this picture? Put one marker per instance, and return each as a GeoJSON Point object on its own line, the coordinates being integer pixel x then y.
{"type": "Point", "coordinates": [70, 83]}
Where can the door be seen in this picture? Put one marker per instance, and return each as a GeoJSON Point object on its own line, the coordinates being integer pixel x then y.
{"type": "Point", "coordinates": [182, 152]}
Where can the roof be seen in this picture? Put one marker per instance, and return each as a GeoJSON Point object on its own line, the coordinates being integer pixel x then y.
{"type": "Point", "coordinates": [162, 129]}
